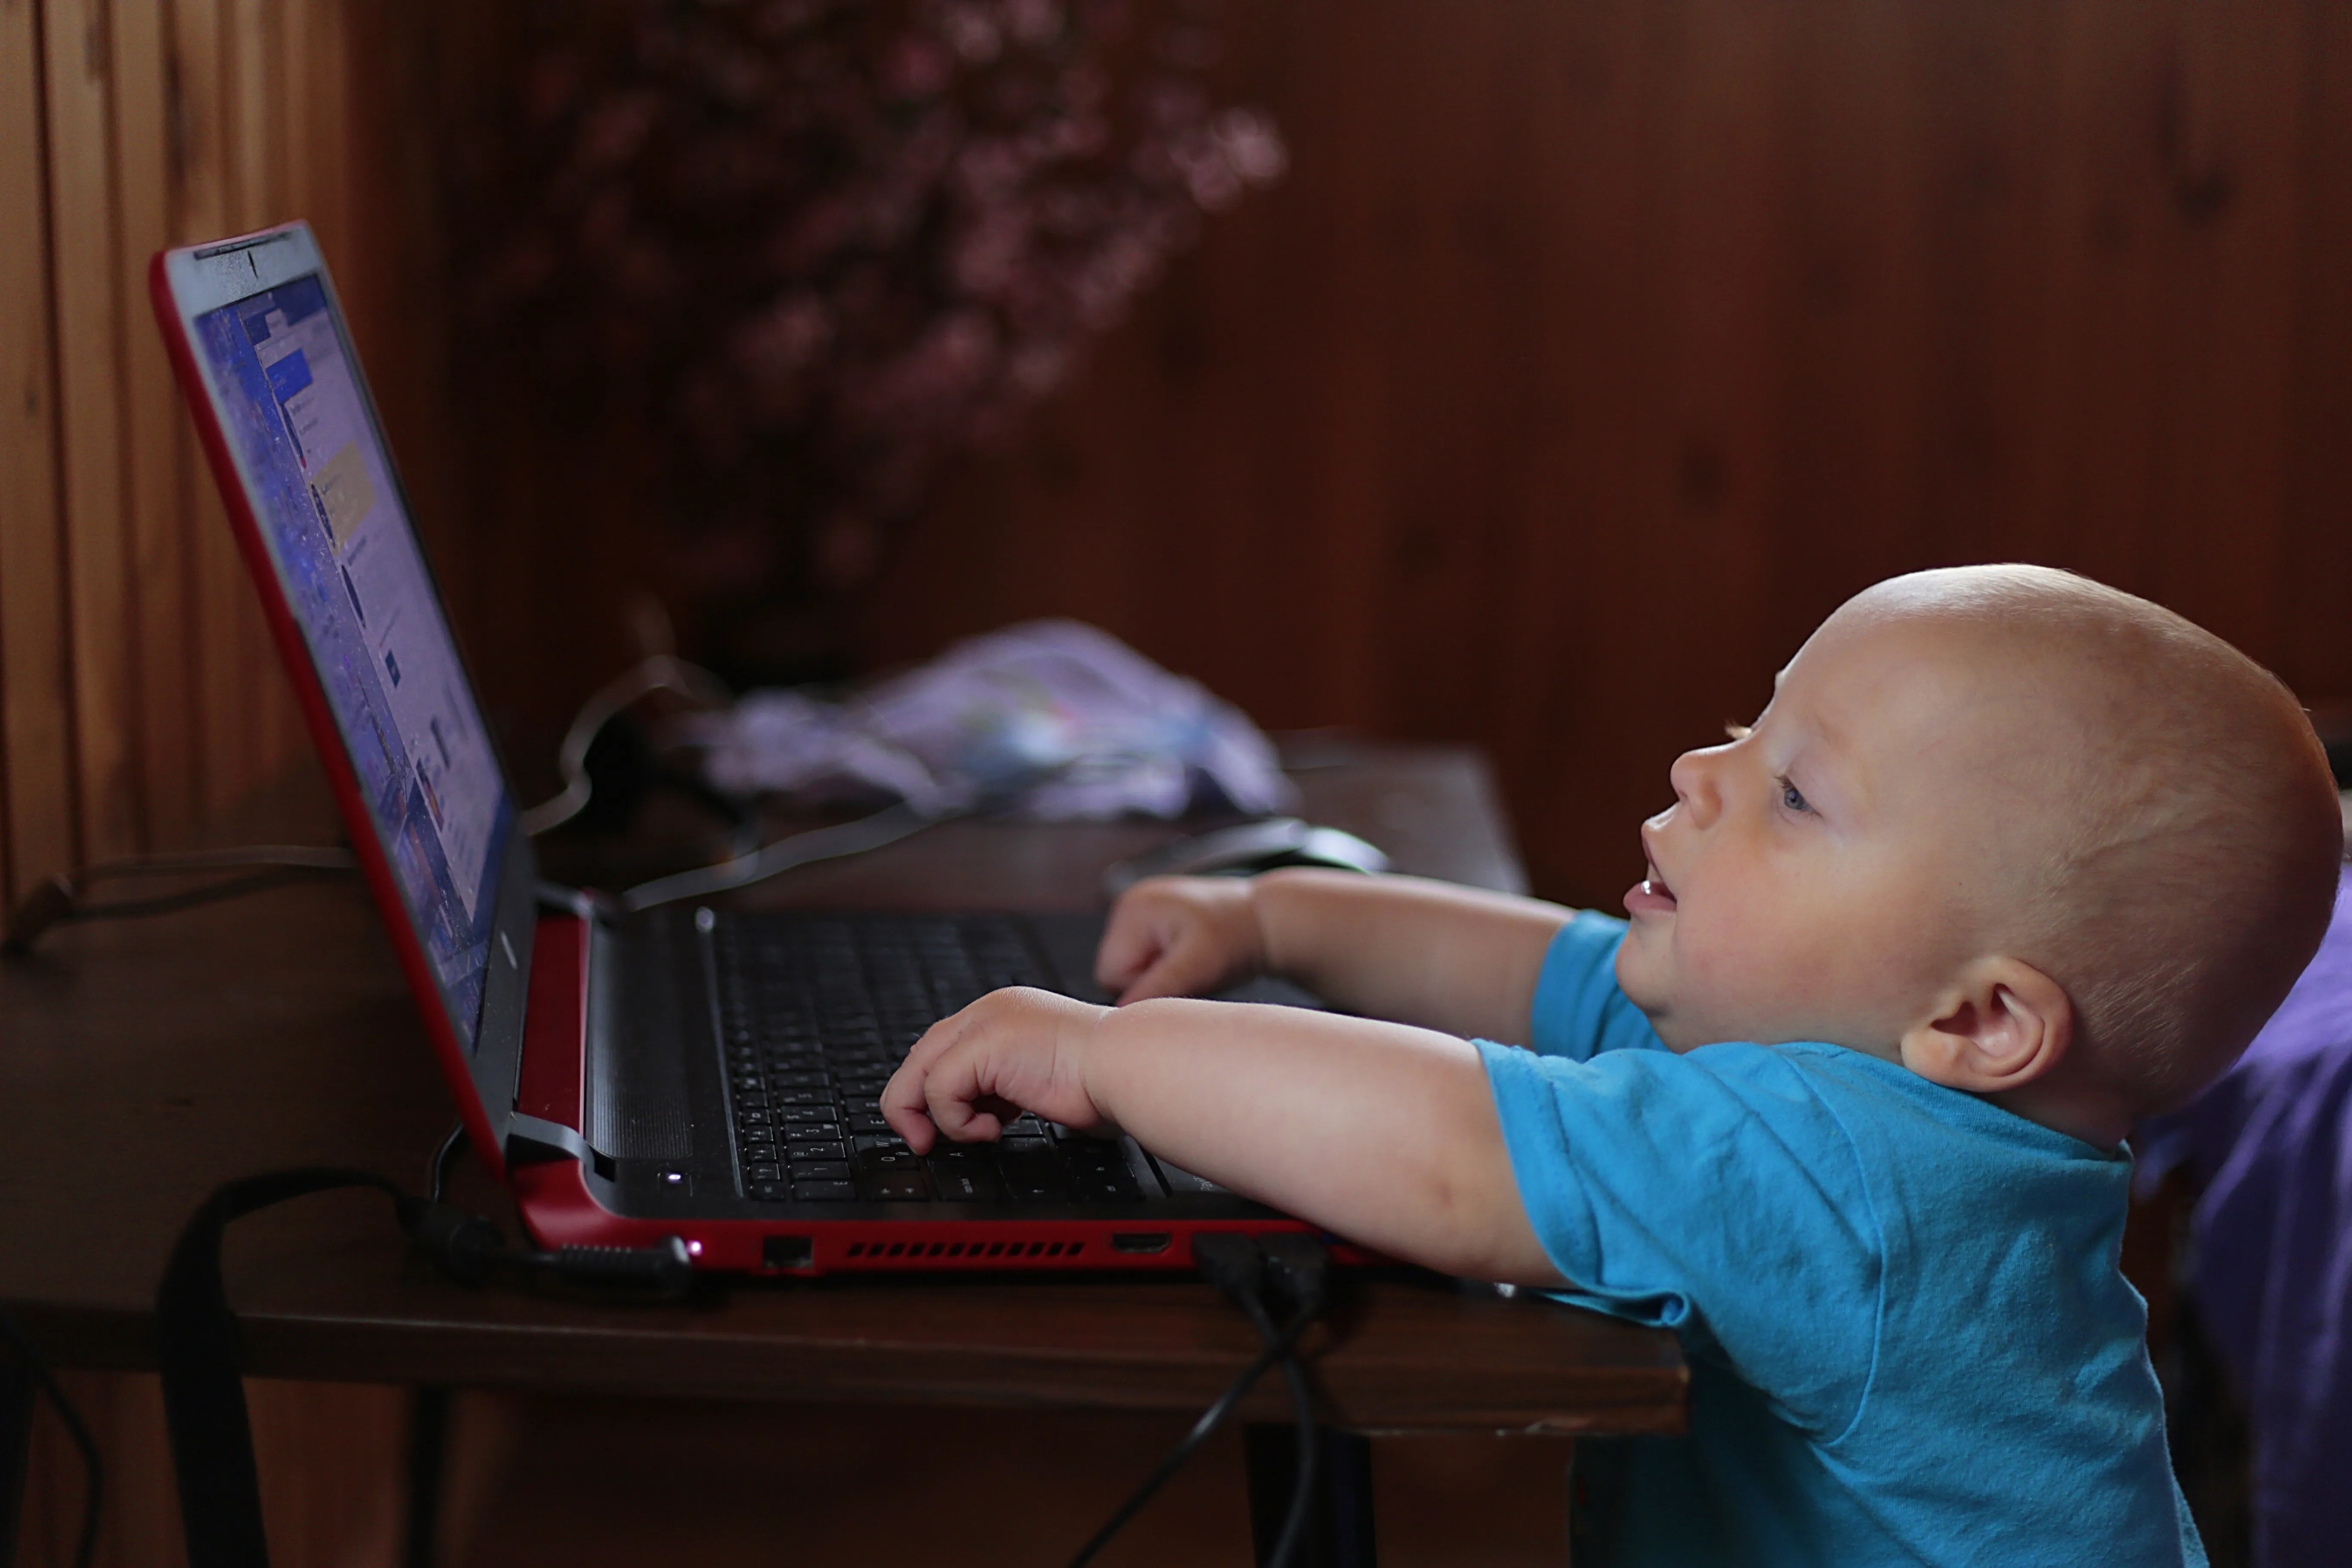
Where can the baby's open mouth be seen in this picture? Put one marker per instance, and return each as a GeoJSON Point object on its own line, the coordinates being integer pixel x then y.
{"type": "Point", "coordinates": [1650, 896]}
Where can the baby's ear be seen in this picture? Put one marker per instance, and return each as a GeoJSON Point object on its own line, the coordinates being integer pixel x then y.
{"type": "Point", "coordinates": [2001, 1027]}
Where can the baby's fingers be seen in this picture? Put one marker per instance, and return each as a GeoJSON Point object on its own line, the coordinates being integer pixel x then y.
{"type": "Point", "coordinates": [951, 1094]}
{"type": "Point", "coordinates": [1179, 972]}
{"type": "Point", "coordinates": [1133, 942]}
{"type": "Point", "coordinates": [905, 1099]}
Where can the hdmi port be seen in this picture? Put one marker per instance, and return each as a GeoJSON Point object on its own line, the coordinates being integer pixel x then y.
{"type": "Point", "coordinates": [1140, 1241]}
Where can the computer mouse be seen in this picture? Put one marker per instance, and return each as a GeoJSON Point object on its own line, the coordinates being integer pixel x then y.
{"type": "Point", "coordinates": [1247, 848]}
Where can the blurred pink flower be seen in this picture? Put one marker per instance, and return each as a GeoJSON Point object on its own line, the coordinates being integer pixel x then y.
{"type": "Point", "coordinates": [820, 247]}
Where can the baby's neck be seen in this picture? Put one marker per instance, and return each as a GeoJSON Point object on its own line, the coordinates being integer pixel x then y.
{"type": "Point", "coordinates": [2056, 1100]}
{"type": "Point", "coordinates": [2093, 1117]}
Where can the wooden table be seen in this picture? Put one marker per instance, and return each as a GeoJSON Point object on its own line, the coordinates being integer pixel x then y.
{"type": "Point", "coordinates": [144, 1062]}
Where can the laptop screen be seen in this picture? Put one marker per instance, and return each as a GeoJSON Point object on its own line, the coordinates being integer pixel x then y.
{"type": "Point", "coordinates": [355, 578]}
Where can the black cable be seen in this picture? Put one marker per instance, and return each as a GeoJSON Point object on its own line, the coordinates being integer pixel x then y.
{"type": "Point", "coordinates": [436, 1175]}
{"type": "Point", "coordinates": [1302, 1400]}
{"type": "Point", "coordinates": [1203, 1430]}
{"type": "Point", "coordinates": [212, 892]}
{"type": "Point", "coordinates": [1244, 1269]}
{"type": "Point", "coordinates": [198, 1340]}
{"type": "Point", "coordinates": [63, 898]}
{"type": "Point", "coordinates": [93, 1468]}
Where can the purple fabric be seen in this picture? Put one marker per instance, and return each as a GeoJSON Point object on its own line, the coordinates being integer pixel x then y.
{"type": "Point", "coordinates": [2271, 1145]}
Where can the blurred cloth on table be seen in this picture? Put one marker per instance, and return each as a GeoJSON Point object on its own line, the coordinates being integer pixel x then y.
{"type": "Point", "coordinates": [2270, 1150]}
{"type": "Point", "coordinates": [1052, 720]}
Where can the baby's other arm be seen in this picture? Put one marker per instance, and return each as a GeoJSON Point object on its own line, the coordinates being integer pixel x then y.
{"type": "Point", "coordinates": [1383, 1133]}
{"type": "Point", "coordinates": [1458, 960]}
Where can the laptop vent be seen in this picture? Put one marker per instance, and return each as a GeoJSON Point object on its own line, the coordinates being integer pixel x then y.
{"type": "Point", "coordinates": [965, 1249]}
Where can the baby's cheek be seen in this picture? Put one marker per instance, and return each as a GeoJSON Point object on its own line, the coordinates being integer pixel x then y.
{"type": "Point", "coordinates": [1745, 972]}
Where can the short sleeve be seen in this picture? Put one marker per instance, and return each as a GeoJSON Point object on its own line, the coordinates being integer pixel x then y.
{"type": "Point", "coordinates": [1713, 1194]}
{"type": "Point", "coordinates": [1578, 1010]}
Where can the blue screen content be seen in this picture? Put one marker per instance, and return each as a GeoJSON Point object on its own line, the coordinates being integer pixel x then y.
{"type": "Point", "coordinates": [355, 577]}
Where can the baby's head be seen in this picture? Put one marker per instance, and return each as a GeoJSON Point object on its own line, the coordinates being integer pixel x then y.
{"type": "Point", "coordinates": [2029, 835]}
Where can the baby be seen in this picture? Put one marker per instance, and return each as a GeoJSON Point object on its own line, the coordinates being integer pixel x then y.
{"type": "Point", "coordinates": [2010, 860]}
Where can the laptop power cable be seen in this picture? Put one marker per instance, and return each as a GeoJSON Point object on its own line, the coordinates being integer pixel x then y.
{"type": "Point", "coordinates": [1260, 1275]}
{"type": "Point", "coordinates": [37, 1372]}
{"type": "Point", "coordinates": [201, 1360]}
{"type": "Point", "coordinates": [235, 872]}
{"type": "Point", "coordinates": [1278, 1282]}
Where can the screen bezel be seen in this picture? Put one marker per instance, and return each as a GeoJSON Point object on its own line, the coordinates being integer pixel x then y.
{"type": "Point", "coordinates": [187, 284]}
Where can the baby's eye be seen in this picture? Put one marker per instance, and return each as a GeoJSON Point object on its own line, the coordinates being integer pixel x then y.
{"type": "Point", "coordinates": [1792, 797]}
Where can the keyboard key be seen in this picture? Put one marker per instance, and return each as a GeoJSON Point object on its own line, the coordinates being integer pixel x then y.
{"type": "Point", "coordinates": [772, 1192]}
{"type": "Point", "coordinates": [765, 1171]}
{"type": "Point", "coordinates": [824, 1191]}
{"type": "Point", "coordinates": [815, 1017]}
{"type": "Point", "coordinates": [1096, 1189]}
{"type": "Point", "coordinates": [895, 1186]}
{"type": "Point", "coordinates": [966, 1180]}
{"type": "Point", "coordinates": [1034, 1175]}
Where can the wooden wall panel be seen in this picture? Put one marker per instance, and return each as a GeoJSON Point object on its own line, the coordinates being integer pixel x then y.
{"type": "Point", "coordinates": [89, 359]}
{"type": "Point", "coordinates": [1593, 352]}
{"type": "Point", "coordinates": [154, 427]}
{"type": "Point", "coordinates": [139, 695]}
{"type": "Point", "coordinates": [35, 704]}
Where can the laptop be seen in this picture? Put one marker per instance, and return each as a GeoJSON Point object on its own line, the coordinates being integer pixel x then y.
{"type": "Point", "coordinates": [685, 1071]}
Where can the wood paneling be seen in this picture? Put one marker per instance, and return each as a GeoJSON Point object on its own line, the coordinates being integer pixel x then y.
{"type": "Point", "coordinates": [89, 333]}
{"type": "Point", "coordinates": [35, 690]}
{"type": "Point", "coordinates": [1592, 352]}
{"type": "Point", "coordinates": [139, 697]}
{"type": "Point", "coordinates": [1588, 355]}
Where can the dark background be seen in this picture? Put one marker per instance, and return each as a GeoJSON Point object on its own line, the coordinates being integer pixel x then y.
{"type": "Point", "coordinates": [1591, 353]}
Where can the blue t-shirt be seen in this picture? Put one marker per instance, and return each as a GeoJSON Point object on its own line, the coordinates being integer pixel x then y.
{"type": "Point", "coordinates": [1909, 1340]}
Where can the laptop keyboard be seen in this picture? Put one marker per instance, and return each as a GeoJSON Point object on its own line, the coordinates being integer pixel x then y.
{"type": "Point", "coordinates": [816, 1012]}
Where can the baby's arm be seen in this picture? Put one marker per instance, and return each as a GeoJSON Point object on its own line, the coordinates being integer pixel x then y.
{"type": "Point", "coordinates": [1449, 958]}
{"type": "Point", "coordinates": [1383, 1133]}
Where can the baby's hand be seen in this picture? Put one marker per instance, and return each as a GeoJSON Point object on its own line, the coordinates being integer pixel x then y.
{"type": "Point", "coordinates": [1181, 936]}
{"type": "Point", "coordinates": [1014, 1050]}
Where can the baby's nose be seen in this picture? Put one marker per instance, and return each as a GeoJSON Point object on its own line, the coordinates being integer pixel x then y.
{"type": "Point", "coordinates": [1694, 779]}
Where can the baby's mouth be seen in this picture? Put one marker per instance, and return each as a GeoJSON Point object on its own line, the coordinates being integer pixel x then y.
{"type": "Point", "coordinates": [1650, 896]}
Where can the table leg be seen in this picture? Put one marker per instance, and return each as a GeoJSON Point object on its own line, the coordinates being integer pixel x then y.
{"type": "Point", "coordinates": [1338, 1530]}
{"type": "Point", "coordinates": [16, 1389]}
{"type": "Point", "coordinates": [428, 1462]}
